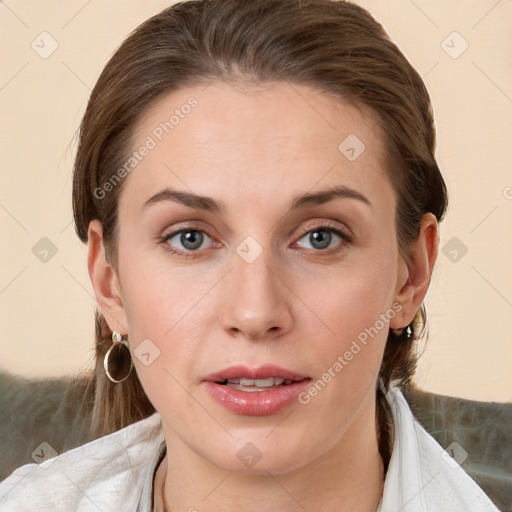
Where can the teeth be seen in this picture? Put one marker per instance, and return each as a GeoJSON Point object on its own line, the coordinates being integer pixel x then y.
{"type": "Point", "coordinates": [259, 383]}
{"type": "Point", "coordinates": [264, 383]}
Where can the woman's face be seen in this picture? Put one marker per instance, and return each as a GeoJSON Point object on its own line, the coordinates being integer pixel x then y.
{"type": "Point", "coordinates": [272, 275]}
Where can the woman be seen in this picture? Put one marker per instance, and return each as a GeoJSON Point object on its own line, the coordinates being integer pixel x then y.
{"type": "Point", "coordinates": [257, 186]}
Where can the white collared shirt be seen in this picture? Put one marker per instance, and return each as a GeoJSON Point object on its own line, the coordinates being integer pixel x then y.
{"type": "Point", "coordinates": [115, 473]}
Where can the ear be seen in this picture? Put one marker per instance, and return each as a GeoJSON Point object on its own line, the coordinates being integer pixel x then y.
{"type": "Point", "coordinates": [104, 280]}
{"type": "Point", "coordinates": [415, 273]}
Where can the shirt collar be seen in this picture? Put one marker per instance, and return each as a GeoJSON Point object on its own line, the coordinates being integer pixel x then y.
{"type": "Point", "coordinates": [146, 498]}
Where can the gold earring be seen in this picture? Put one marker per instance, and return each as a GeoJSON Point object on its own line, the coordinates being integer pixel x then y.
{"type": "Point", "coordinates": [117, 359]}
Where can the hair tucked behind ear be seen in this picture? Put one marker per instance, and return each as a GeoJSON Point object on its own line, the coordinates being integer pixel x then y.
{"type": "Point", "coordinates": [334, 46]}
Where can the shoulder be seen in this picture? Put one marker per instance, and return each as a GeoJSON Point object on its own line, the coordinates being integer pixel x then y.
{"type": "Point", "coordinates": [100, 475]}
{"type": "Point", "coordinates": [422, 475]}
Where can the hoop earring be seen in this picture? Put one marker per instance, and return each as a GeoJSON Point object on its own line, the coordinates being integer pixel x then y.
{"type": "Point", "coordinates": [116, 359]}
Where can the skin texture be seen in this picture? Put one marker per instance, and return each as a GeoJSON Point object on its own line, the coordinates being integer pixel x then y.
{"type": "Point", "coordinates": [254, 149]}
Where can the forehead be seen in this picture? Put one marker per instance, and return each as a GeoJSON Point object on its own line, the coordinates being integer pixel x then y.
{"type": "Point", "coordinates": [240, 142]}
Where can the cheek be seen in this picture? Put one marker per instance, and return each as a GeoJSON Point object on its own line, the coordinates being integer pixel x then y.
{"type": "Point", "coordinates": [355, 307]}
{"type": "Point", "coordinates": [353, 297]}
{"type": "Point", "coordinates": [355, 313]}
{"type": "Point", "coordinates": [157, 298]}
{"type": "Point", "coordinates": [169, 314]}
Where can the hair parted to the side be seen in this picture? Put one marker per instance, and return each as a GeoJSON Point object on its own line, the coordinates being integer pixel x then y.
{"type": "Point", "coordinates": [334, 46]}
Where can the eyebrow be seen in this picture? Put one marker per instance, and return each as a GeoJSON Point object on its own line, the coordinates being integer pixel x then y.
{"type": "Point", "coordinates": [211, 205]}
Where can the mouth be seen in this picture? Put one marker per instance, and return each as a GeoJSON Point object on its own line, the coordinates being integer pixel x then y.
{"type": "Point", "coordinates": [255, 379]}
{"type": "Point", "coordinates": [256, 392]}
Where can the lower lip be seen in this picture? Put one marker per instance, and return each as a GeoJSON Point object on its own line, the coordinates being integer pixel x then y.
{"type": "Point", "coordinates": [256, 403]}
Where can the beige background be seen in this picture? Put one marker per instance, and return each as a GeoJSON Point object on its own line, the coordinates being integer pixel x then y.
{"type": "Point", "coordinates": [46, 308]}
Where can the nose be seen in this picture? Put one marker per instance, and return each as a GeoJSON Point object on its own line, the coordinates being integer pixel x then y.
{"type": "Point", "coordinates": [257, 300]}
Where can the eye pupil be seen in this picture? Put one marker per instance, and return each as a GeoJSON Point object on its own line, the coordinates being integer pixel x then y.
{"type": "Point", "coordinates": [191, 239]}
{"type": "Point", "coordinates": [323, 238]}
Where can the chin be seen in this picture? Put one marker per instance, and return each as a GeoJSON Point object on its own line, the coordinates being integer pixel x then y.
{"type": "Point", "coordinates": [262, 456]}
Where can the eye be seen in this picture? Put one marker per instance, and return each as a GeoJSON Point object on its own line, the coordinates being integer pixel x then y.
{"type": "Point", "coordinates": [186, 240]}
{"type": "Point", "coordinates": [189, 242]}
{"type": "Point", "coordinates": [322, 237]}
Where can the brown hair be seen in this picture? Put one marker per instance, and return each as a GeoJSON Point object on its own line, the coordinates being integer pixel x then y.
{"type": "Point", "coordinates": [334, 46]}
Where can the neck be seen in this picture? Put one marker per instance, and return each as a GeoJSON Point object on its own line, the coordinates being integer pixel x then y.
{"type": "Point", "coordinates": [347, 477]}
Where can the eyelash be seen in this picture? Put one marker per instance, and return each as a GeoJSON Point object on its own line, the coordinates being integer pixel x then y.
{"type": "Point", "coordinates": [346, 239]}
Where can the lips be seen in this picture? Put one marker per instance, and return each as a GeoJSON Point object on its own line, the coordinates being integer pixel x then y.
{"type": "Point", "coordinates": [261, 391]}
{"type": "Point", "coordinates": [260, 373]}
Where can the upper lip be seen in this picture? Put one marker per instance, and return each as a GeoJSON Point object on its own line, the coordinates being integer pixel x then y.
{"type": "Point", "coordinates": [261, 372]}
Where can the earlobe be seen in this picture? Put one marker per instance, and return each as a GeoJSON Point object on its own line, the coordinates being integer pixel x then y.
{"type": "Point", "coordinates": [104, 280]}
{"type": "Point", "coordinates": [419, 272]}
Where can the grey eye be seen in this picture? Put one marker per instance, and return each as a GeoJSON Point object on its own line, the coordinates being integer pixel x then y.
{"type": "Point", "coordinates": [190, 239]}
{"type": "Point", "coordinates": [320, 238]}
